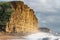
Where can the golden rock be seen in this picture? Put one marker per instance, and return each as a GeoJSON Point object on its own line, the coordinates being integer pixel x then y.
{"type": "Point", "coordinates": [22, 19]}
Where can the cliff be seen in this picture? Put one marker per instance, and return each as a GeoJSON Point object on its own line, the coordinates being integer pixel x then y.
{"type": "Point", "coordinates": [22, 19]}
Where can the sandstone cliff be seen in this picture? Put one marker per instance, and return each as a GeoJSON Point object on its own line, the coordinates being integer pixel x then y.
{"type": "Point", "coordinates": [22, 19]}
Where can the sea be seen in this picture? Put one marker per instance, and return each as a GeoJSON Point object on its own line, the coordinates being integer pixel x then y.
{"type": "Point", "coordinates": [41, 36]}
{"type": "Point", "coordinates": [38, 36]}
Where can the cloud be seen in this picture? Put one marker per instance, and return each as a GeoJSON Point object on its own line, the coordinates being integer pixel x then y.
{"type": "Point", "coordinates": [52, 19]}
{"type": "Point", "coordinates": [44, 5]}
{"type": "Point", "coordinates": [52, 22]}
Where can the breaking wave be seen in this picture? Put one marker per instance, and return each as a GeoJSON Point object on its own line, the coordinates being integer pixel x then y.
{"type": "Point", "coordinates": [42, 36]}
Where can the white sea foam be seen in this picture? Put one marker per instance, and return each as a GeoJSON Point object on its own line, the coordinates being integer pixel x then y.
{"type": "Point", "coordinates": [42, 36]}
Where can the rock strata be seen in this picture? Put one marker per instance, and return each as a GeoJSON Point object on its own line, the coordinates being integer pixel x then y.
{"type": "Point", "coordinates": [22, 19]}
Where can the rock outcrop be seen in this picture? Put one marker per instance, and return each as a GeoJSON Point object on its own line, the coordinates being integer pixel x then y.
{"type": "Point", "coordinates": [22, 19]}
{"type": "Point", "coordinates": [43, 29]}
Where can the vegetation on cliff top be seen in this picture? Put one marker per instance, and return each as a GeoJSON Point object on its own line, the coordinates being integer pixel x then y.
{"type": "Point", "coordinates": [5, 12]}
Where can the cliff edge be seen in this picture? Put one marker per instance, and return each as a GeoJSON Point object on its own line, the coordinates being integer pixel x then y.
{"type": "Point", "coordinates": [22, 19]}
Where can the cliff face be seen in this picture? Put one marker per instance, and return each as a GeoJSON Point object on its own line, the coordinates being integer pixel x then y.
{"type": "Point", "coordinates": [22, 19]}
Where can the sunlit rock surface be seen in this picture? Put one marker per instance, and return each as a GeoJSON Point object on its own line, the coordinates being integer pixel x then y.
{"type": "Point", "coordinates": [22, 19]}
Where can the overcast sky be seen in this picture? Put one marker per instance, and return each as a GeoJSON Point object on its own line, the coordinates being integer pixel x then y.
{"type": "Point", "coordinates": [47, 12]}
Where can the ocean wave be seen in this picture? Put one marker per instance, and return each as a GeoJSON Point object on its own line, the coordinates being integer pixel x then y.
{"type": "Point", "coordinates": [42, 36]}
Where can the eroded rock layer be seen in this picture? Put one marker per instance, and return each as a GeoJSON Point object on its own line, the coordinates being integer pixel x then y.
{"type": "Point", "coordinates": [22, 19]}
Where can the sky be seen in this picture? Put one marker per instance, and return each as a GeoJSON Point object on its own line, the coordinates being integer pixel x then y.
{"type": "Point", "coordinates": [47, 12]}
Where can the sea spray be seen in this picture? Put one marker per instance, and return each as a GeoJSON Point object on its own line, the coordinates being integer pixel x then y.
{"type": "Point", "coordinates": [42, 36]}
